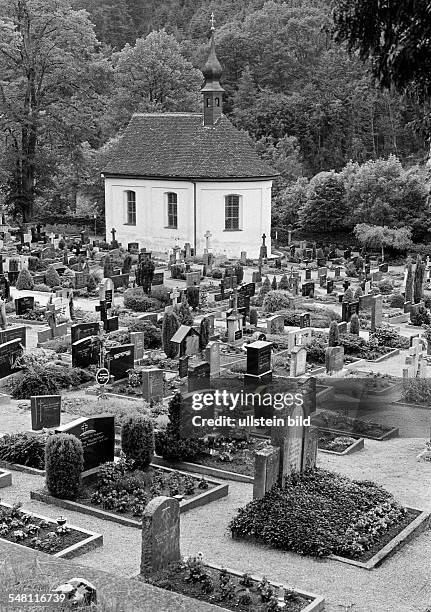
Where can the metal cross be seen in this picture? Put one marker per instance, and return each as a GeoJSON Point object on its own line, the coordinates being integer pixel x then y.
{"type": "Point", "coordinates": [212, 21]}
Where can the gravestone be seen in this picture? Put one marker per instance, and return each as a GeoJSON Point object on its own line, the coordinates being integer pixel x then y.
{"type": "Point", "coordinates": [305, 320]}
{"type": "Point", "coordinates": [298, 361]}
{"type": "Point", "coordinates": [183, 366]}
{"type": "Point", "coordinates": [158, 279]}
{"type": "Point", "coordinates": [307, 289]}
{"type": "Point", "coordinates": [160, 535]}
{"type": "Point", "coordinates": [83, 330]}
{"type": "Point", "coordinates": [266, 470]}
{"type": "Point", "coordinates": [23, 305]}
{"type": "Point", "coordinates": [86, 352]}
{"type": "Point", "coordinates": [275, 324]}
{"type": "Point", "coordinates": [199, 376]}
{"type": "Point", "coordinates": [376, 312]}
{"type": "Point", "coordinates": [110, 324]}
{"type": "Point", "coordinates": [329, 286]}
{"type": "Point", "coordinates": [138, 341]}
{"type": "Point", "coordinates": [9, 353]}
{"type": "Point", "coordinates": [120, 359]}
{"type": "Point", "coordinates": [212, 356]}
{"type": "Point", "coordinates": [186, 338]}
{"type": "Point", "coordinates": [152, 384]}
{"type": "Point", "coordinates": [307, 274]}
{"type": "Point", "coordinates": [234, 327]}
{"type": "Point", "coordinates": [334, 359]}
{"type": "Point", "coordinates": [45, 411]}
{"type": "Point", "coordinates": [97, 435]}
{"type": "Point", "coordinates": [258, 361]}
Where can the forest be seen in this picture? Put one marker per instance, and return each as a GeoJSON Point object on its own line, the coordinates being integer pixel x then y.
{"type": "Point", "coordinates": [74, 71]}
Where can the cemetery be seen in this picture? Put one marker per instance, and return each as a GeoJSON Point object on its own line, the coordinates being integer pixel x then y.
{"type": "Point", "coordinates": [215, 307]}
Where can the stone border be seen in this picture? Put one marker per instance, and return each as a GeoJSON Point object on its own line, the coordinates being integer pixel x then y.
{"type": "Point", "coordinates": [407, 405]}
{"type": "Point", "coordinates": [353, 448]}
{"type": "Point", "coordinates": [218, 491]}
{"type": "Point", "coordinates": [93, 540]}
{"type": "Point", "coordinates": [5, 478]}
{"type": "Point", "coordinates": [384, 357]}
{"type": "Point", "coordinates": [317, 605]}
{"type": "Point", "coordinates": [198, 468]}
{"type": "Point", "coordinates": [392, 433]}
{"type": "Point", "coordinates": [21, 468]}
{"type": "Point", "coordinates": [418, 525]}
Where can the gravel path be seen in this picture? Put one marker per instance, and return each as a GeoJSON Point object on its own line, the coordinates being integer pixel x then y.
{"type": "Point", "coordinates": [401, 584]}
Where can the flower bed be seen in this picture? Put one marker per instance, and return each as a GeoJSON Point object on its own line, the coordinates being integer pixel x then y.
{"type": "Point", "coordinates": [39, 533]}
{"type": "Point", "coordinates": [340, 424]}
{"type": "Point", "coordinates": [231, 590]}
{"type": "Point", "coordinates": [339, 445]}
{"type": "Point", "coordinates": [23, 449]}
{"type": "Point", "coordinates": [120, 493]}
{"type": "Point", "coordinates": [320, 513]}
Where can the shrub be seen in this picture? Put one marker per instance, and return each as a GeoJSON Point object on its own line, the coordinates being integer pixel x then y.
{"type": "Point", "coordinates": [284, 283]}
{"type": "Point", "coordinates": [217, 273]}
{"type": "Point", "coordinates": [107, 267]}
{"type": "Point", "coordinates": [239, 273]}
{"type": "Point", "coordinates": [419, 316]}
{"type": "Point", "coordinates": [169, 443]}
{"type": "Point", "coordinates": [334, 334]}
{"type": "Point", "coordinates": [348, 296]}
{"type": "Point", "coordinates": [24, 281]}
{"type": "Point", "coordinates": [169, 327]}
{"type": "Point", "coordinates": [192, 294]}
{"type": "Point", "coordinates": [318, 513]}
{"type": "Point", "coordinates": [276, 300]}
{"type": "Point", "coordinates": [24, 449]}
{"type": "Point", "coordinates": [138, 301]}
{"type": "Point", "coordinates": [178, 271]}
{"type": "Point", "coordinates": [354, 325]}
{"type": "Point", "coordinates": [52, 278]}
{"type": "Point", "coordinates": [389, 337]}
{"type": "Point", "coordinates": [396, 300]}
{"type": "Point", "coordinates": [41, 287]}
{"type": "Point", "coordinates": [137, 441]}
{"type": "Point", "coordinates": [274, 283]}
{"type": "Point", "coordinates": [47, 380]}
{"type": "Point", "coordinates": [266, 287]}
{"type": "Point", "coordinates": [385, 286]}
{"type": "Point", "coordinates": [58, 345]}
{"type": "Point", "coordinates": [161, 293]}
{"type": "Point", "coordinates": [253, 316]}
{"type": "Point", "coordinates": [64, 463]}
{"type": "Point", "coordinates": [204, 333]}
{"type": "Point", "coordinates": [153, 334]}
{"type": "Point", "coordinates": [185, 317]}
{"type": "Point", "coordinates": [358, 293]}
{"type": "Point", "coordinates": [91, 283]}
{"type": "Point", "coordinates": [415, 391]}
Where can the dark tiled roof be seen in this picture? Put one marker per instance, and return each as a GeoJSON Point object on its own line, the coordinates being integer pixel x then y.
{"type": "Point", "coordinates": [177, 145]}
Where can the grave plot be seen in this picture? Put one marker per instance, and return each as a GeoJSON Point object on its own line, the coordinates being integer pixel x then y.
{"type": "Point", "coordinates": [56, 538]}
{"type": "Point", "coordinates": [5, 478]}
{"type": "Point", "coordinates": [341, 425]}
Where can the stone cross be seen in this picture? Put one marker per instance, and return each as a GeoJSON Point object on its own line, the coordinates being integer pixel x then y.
{"type": "Point", "coordinates": [174, 295]}
{"type": "Point", "coordinates": [207, 237]}
{"type": "Point", "coordinates": [263, 239]}
{"type": "Point", "coordinates": [113, 231]}
{"type": "Point", "coordinates": [212, 21]}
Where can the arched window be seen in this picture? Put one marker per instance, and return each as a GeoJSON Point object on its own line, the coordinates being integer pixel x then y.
{"type": "Point", "coordinates": [172, 203]}
{"type": "Point", "coordinates": [208, 102]}
{"type": "Point", "coordinates": [217, 101]}
{"type": "Point", "coordinates": [232, 212]}
{"type": "Point", "coordinates": [131, 207]}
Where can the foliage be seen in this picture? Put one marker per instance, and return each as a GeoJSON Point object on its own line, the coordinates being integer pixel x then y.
{"type": "Point", "coordinates": [43, 380]}
{"type": "Point", "coordinates": [145, 274]}
{"type": "Point", "coordinates": [283, 284]}
{"type": "Point", "coordinates": [64, 462]}
{"type": "Point", "coordinates": [325, 209]}
{"type": "Point", "coordinates": [334, 334]}
{"type": "Point", "coordinates": [385, 286]}
{"type": "Point", "coordinates": [42, 287]}
{"type": "Point", "coordinates": [24, 281]}
{"type": "Point", "coordinates": [52, 278]}
{"type": "Point", "coordinates": [183, 312]}
{"type": "Point", "coordinates": [415, 391]}
{"type": "Point", "coordinates": [420, 316]}
{"type": "Point", "coordinates": [24, 449]}
{"type": "Point", "coordinates": [91, 283]}
{"type": "Point", "coordinates": [169, 327]}
{"type": "Point", "coordinates": [266, 287]}
{"type": "Point", "coordinates": [396, 300]}
{"type": "Point", "coordinates": [138, 301]}
{"type": "Point", "coordinates": [318, 513]}
{"type": "Point", "coordinates": [276, 300]}
{"type": "Point", "coordinates": [192, 294]}
{"type": "Point", "coordinates": [170, 444]}
{"type": "Point", "coordinates": [137, 441]}
{"type": "Point", "coordinates": [253, 316]}
{"type": "Point", "coordinates": [153, 336]}
{"type": "Point", "coordinates": [418, 280]}
{"type": "Point", "coordinates": [389, 337]}
{"type": "Point", "coordinates": [162, 294]}
{"type": "Point", "coordinates": [348, 296]}
{"type": "Point", "coordinates": [380, 236]}
{"type": "Point", "coordinates": [204, 333]}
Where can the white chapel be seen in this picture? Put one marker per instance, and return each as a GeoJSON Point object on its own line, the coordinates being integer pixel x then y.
{"type": "Point", "coordinates": [175, 178]}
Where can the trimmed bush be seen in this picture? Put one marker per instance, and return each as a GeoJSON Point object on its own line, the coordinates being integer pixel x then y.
{"type": "Point", "coordinates": [138, 301]}
{"type": "Point", "coordinates": [348, 296]}
{"type": "Point", "coordinates": [64, 463]}
{"type": "Point", "coordinates": [334, 334]}
{"type": "Point", "coordinates": [24, 281]}
{"type": "Point", "coordinates": [253, 316]}
{"type": "Point", "coordinates": [137, 441]}
{"type": "Point", "coordinates": [24, 449]}
{"type": "Point", "coordinates": [204, 333]}
{"type": "Point", "coordinates": [52, 278]}
{"type": "Point", "coordinates": [266, 287]}
{"type": "Point", "coordinates": [41, 287]}
{"type": "Point", "coordinates": [358, 292]}
{"type": "Point", "coordinates": [169, 443]}
{"type": "Point", "coordinates": [185, 317]}
{"type": "Point", "coordinates": [276, 300]}
{"type": "Point", "coordinates": [274, 283]}
{"type": "Point", "coordinates": [283, 285]}
{"type": "Point", "coordinates": [169, 327]}
{"type": "Point", "coordinates": [396, 301]}
{"type": "Point", "coordinates": [385, 286]}
{"type": "Point", "coordinates": [91, 283]}
{"type": "Point", "coordinates": [192, 294]}
{"type": "Point", "coordinates": [420, 316]}
{"type": "Point", "coordinates": [153, 335]}
{"type": "Point", "coordinates": [161, 293]}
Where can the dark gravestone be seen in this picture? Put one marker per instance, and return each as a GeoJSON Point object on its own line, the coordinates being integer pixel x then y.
{"type": "Point", "coordinates": [160, 535]}
{"type": "Point", "coordinates": [133, 247]}
{"type": "Point", "coordinates": [138, 341]}
{"type": "Point", "coordinates": [120, 359]}
{"type": "Point", "coordinates": [383, 267]}
{"type": "Point", "coordinates": [13, 333]}
{"type": "Point", "coordinates": [305, 320]}
{"type": "Point", "coordinates": [110, 324]}
{"type": "Point", "coordinates": [329, 286]}
{"type": "Point", "coordinates": [9, 352]}
{"type": "Point", "coordinates": [259, 358]}
{"type": "Point", "coordinates": [152, 384]}
{"type": "Point", "coordinates": [183, 366]}
{"type": "Point", "coordinates": [83, 330]}
{"type": "Point", "coordinates": [307, 289]}
{"type": "Point", "coordinates": [199, 376]}
{"type": "Point", "coordinates": [45, 411]}
{"type": "Point", "coordinates": [158, 279]}
{"type": "Point", "coordinates": [308, 274]}
{"type": "Point", "coordinates": [97, 435]}
{"type": "Point", "coordinates": [322, 280]}
{"type": "Point", "coordinates": [347, 254]}
{"type": "Point", "coordinates": [23, 305]}
{"type": "Point", "coordinates": [120, 280]}
{"type": "Point", "coordinates": [248, 289]}
{"type": "Point", "coordinates": [334, 359]}
{"type": "Point", "coordinates": [86, 352]}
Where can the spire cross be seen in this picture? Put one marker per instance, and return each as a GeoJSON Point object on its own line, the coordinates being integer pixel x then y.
{"type": "Point", "coordinates": [212, 21]}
